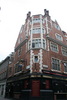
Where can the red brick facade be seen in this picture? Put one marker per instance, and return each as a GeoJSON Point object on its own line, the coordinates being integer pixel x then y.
{"type": "Point", "coordinates": [45, 55]}
{"type": "Point", "coordinates": [41, 50]}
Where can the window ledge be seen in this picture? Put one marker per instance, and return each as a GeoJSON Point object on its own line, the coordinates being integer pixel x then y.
{"type": "Point", "coordinates": [55, 70]}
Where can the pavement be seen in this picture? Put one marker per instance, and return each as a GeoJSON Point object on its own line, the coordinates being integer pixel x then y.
{"type": "Point", "coordinates": [2, 98]}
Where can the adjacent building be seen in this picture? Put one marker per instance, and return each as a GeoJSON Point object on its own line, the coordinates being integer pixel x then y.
{"type": "Point", "coordinates": [3, 75]}
{"type": "Point", "coordinates": [39, 66]}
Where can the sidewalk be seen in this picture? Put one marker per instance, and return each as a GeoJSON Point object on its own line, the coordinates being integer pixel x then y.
{"type": "Point", "coordinates": [1, 98]}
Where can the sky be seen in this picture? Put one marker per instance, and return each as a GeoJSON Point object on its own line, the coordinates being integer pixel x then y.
{"type": "Point", "coordinates": [13, 15]}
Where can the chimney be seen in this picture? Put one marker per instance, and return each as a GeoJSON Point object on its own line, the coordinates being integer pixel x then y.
{"type": "Point", "coordinates": [46, 12]}
{"type": "Point", "coordinates": [28, 14]}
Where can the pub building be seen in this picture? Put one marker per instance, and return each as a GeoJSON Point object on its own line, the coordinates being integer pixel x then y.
{"type": "Point", "coordinates": [38, 70]}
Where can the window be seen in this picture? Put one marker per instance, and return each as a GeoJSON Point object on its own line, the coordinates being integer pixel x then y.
{"type": "Point", "coordinates": [19, 51]}
{"type": "Point", "coordinates": [57, 26]}
{"type": "Point", "coordinates": [36, 43]}
{"type": "Point", "coordinates": [35, 58]}
{"type": "Point", "coordinates": [59, 37]}
{"type": "Point", "coordinates": [44, 44]}
{"type": "Point", "coordinates": [64, 51]}
{"type": "Point", "coordinates": [36, 20]}
{"type": "Point", "coordinates": [18, 68]}
{"type": "Point", "coordinates": [54, 47]}
{"type": "Point", "coordinates": [55, 64]}
{"type": "Point", "coordinates": [43, 31]}
{"type": "Point", "coordinates": [65, 66]}
{"type": "Point", "coordinates": [37, 31]}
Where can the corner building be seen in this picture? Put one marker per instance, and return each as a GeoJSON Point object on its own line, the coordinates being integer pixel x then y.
{"type": "Point", "coordinates": [38, 70]}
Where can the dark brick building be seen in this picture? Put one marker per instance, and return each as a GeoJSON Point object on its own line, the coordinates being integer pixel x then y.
{"type": "Point", "coordinates": [39, 65]}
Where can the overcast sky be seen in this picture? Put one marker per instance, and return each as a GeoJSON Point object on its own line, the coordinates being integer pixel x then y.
{"type": "Point", "coordinates": [13, 15]}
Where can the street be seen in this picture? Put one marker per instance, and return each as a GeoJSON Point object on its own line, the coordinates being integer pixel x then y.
{"type": "Point", "coordinates": [1, 98]}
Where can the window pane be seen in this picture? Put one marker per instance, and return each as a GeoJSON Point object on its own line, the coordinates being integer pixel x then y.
{"type": "Point", "coordinates": [43, 31]}
{"type": "Point", "coordinates": [36, 43]}
{"type": "Point", "coordinates": [35, 58]}
{"type": "Point", "coordinates": [36, 20]}
{"type": "Point", "coordinates": [17, 68]}
{"type": "Point", "coordinates": [65, 67]}
{"type": "Point", "coordinates": [54, 47]}
{"type": "Point", "coordinates": [55, 64]}
{"type": "Point", "coordinates": [33, 45]}
{"type": "Point", "coordinates": [59, 37]}
{"type": "Point", "coordinates": [64, 51]}
{"type": "Point", "coordinates": [37, 30]}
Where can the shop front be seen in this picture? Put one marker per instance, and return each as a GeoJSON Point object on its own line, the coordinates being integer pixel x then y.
{"type": "Point", "coordinates": [37, 87]}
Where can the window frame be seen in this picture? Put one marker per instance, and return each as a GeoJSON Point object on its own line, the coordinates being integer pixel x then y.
{"type": "Point", "coordinates": [35, 42]}
{"type": "Point", "coordinates": [57, 27]}
{"type": "Point", "coordinates": [52, 47]}
{"type": "Point", "coordinates": [60, 39]}
{"type": "Point", "coordinates": [36, 31]}
{"type": "Point", "coordinates": [65, 54]}
{"type": "Point", "coordinates": [34, 59]}
{"type": "Point", "coordinates": [65, 67]}
{"type": "Point", "coordinates": [36, 20]}
{"type": "Point", "coordinates": [58, 64]}
{"type": "Point", "coordinates": [16, 68]}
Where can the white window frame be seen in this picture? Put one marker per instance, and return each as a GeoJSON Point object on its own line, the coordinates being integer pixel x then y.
{"type": "Point", "coordinates": [35, 42]}
{"type": "Point", "coordinates": [57, 26]}
{"type": "Point", "coordinates": [56, 67]}
{"type": "Point", "coordinates": [34, 58]}
{"type": "Point", "coordinates": [64, 53]}
{"type": "Point", "coordinates": [37, 30]}
{"type": "Point", "coordinates": [36, 20]}
{"type": "Point", "coordinates": [65, 67]}
{"type": "Point", "coordinates": [57, 37]}
{"type": "Point", "coordinates": [43, 30]}
{"type": "Point", "coordinates": [52, 48]}
{"type": "Point", "coordinates": [38, 43]}
{"type": "Point", "coordinates": [44, 42]}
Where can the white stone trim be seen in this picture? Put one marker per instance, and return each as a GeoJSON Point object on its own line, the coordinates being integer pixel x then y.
{"type": "Point", "coordinates": [47, 25]}
{"type": "Point", "coordinates": [41, 31]}
{"type": "Point", "coordinates": [41, 62]}
{"type": "Point", "coordinates": [31, 51]}
{"type": "Point", "coordinates": [48, 49]}
{"type": "Point", "coordinates": [27, 33]}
